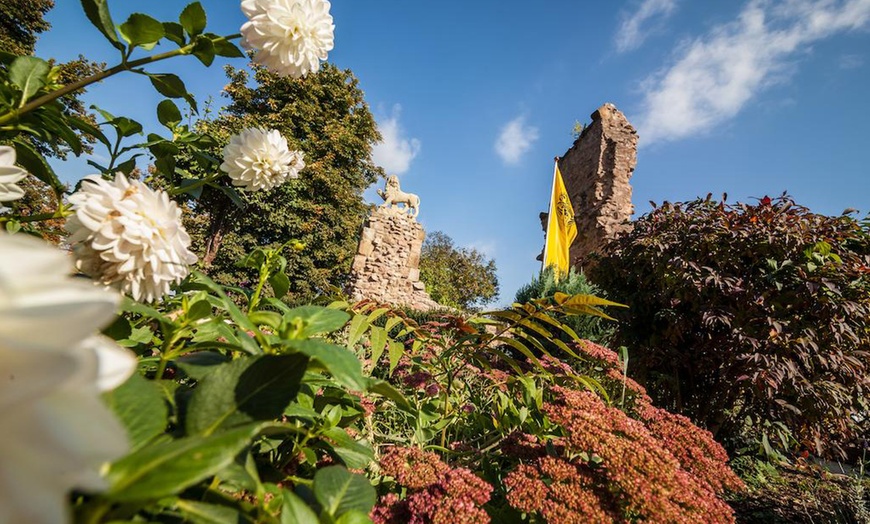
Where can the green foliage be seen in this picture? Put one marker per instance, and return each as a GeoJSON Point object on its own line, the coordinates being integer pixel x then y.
{"type": "Point", "coordinates": [494, 417]}
{"type": "Point", "coordinates": [754, 320]}
{"type": "Point", "coordinates": [545, 285]}
{"type": "Point", "coordinates": [803, 493]}
{"type": "Point", "coordinates": [461, 278]}
{"type": "Point", "coordinates": [244, 409]}
{"type": "Point", "coordinates": [21, 21]}
{"type": "Point", "coordinates": [326, 117]}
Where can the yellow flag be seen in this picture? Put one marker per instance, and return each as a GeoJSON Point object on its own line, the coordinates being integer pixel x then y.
{"type": "Point", "coordinates": [561, 229]}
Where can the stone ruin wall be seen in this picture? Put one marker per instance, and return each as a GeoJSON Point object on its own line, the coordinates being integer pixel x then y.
{"type": "Point", "coordinates": [596, 171]}
{"type": "Point", "coordinates": [386, 267]}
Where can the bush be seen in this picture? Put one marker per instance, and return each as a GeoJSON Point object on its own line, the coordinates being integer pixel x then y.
{"type": "Point", "coordinates": [536, 440]}
{"type": "Point", "coordinates": [754, 320]}
{"type": "Point", "coordinates": [545, 285]}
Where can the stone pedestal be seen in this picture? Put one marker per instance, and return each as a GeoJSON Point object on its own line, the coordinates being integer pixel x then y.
{"type": "Point", "coordinates": [596, 171]}
{"type": "Point", "coordinates": [386, 267]}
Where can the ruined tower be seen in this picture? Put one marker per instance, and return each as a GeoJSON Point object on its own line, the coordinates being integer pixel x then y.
{"type": "Point", "coordinates": [596, 171]}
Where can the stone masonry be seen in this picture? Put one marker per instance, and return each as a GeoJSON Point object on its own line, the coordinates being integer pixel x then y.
{"type": "Point", "coordinates": [596, 171]}
{"type": "Point", "coordinates": [387, 264]}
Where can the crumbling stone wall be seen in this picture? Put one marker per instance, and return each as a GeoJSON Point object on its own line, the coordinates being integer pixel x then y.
{"type": "Point", "coordinates": [596, 171]}
{"type": "Point", "coordinates": [386, 267]}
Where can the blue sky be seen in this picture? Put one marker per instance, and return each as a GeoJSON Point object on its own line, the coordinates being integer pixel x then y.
{"type": "Point", "coordinates": [475, 99]}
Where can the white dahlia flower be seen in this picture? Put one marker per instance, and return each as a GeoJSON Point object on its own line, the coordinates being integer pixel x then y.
{"type": "Point", "coordinates": [9, 175]}
{"type": "Point", "coordinates": [259, 159]}
{"type": "Point", "coordinates": [290, 37]}
{"type": "Point", "coordinates": [127, 235]}
{"type": "Point", "coordinates": [55, 431]}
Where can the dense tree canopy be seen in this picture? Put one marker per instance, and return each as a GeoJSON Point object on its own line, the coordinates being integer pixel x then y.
{"type": "Point", "coordinates": [457, 277]}
{"type": "Point", "coordinates": [325, 116]}
{"type": "Point", "coordinates": [21, 21]}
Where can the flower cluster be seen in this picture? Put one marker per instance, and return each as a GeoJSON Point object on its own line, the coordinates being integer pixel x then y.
{"type": "Point", "coordinates": [290, 37]}
{"type": "Point", "coordinates": [56, 430]}
{"type": "Point", "coordinates": [612, 468]}
{"type": "Point", "coordinates": [257, 159]}
{"type": "Point", "coordinates": [127, 235]}
{"type": "Point", "coordinates": [439, 494]}
{"type": "Point", "coordinates": [10, 175]}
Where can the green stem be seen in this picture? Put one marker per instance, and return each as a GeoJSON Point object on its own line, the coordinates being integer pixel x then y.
{"type": "Point", "coordinates": [255, 298]}
{"type": "Point", "coordinates": [102, 75]}
{"type": "Point", "coordinates": [61, 213]}
{"type": "Point", "coordinates": [199, 183]}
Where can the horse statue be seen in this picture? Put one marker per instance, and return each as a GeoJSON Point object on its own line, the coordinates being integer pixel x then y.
{"type": "Point", "coordinates": [394, 195]}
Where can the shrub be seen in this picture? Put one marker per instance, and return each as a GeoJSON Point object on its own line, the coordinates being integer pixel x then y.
{"type": "Point", "coordinates": [545, 285]}
{"type": "Point", "coordinates": [751, 319]}
{"type": "Point", "coordinates": [553, 441]}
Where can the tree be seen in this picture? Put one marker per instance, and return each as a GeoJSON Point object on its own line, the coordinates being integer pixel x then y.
{"type": "Point", "coordinates": [21, 21]}
{"type": "Point", "coordinates": [753, 320]}
{"type": "Point", "coordinates": [325, 116]}
{"type": "Point", "coordinates": [545, 285]}
{"type": "Point", "coordinates": [457, 277]}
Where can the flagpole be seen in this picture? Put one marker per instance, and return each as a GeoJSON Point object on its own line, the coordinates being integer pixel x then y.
{"type": "Point", "coordinates": [549, 210]}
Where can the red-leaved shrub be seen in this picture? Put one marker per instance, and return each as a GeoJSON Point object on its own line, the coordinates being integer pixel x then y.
{"type": "Point", "coordinates": [753, 320]}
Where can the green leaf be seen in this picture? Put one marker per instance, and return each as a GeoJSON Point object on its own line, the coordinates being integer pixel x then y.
{"type": "Point", "coordinates": [193, 19]}
{"type": "Point", "coordinates": [317, 320]}
{"type": "Point", "coordinates": [168, 84]}
{"type": "Point", "coordinates": [241, 320]}
{"type": "Point", "coordinates": [97, 12]}
{"type": "Point", "coordinates": [339, 361]}
{"type": "Point", "coordinates": [354, 455]}
{"type": "Point", "coordinates": [29, 74]}
{"type": "Point", "coordinates": [280, 284]}
{"type": "Point", "coordinates": [354, 517]}
{"type": "Point", "coordinates": [378, 339]}
{"type": "Point", "coordinates": [198, 310]}
{"type": "Point", "coordinates": [385, 389]}
{"type": "Point", "coordinates": [296, 511]}
{"type": "Point", "coordinates": [340, 491]}
{"type": "Point", "coordinates": [126, 127]}
{"type": "Point", "coordinates": [174, 33]}
{"type": "Point", "coordinates": [245, 390]}
{"type": "Point", "coordinates": [204, 51]}
{"type": "Point", "coordinates": [166, 468]}
{"type": "Point", "coordinates": [583, 300]}
{"type": "Point", "coordinates": [357, 327]}
{"type": "Point", "coordinates": [233, 195]}
{"type": "Point", "coordinates": [139, 405]}
{"type": "Point", "coordinates": [223, 47]}
{"type": "Point", "coordinates": [396, 351]}
{"type": "Point", "coordinates": [203, 513]}
{"type": "Point", "coordinates": [13, 226]}
{"type": "Point", "coordinates": [168, 114]}
{"type": "Point", "coordinates": [142, 30]}
{"type": "Point", "coordinates": [200, 364]}
{"type": "Point", "coordinates": [36, 165]}
{"type": "Point", "coordinates": [86, 127]}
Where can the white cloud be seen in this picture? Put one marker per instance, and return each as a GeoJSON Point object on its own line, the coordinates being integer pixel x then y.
{"type": "Point", "coordinates": [634, 30]}
{"type": "Point", "coordinates": [851, 61]}
{"type": "Point", "coordinates": [515, 140]}
{"type": "Point", "coordinates": [716, 75]}
{"type": "Point", "coordinates": [395, 151]}
{"type": "Point", "coordinates": [487, 248]}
